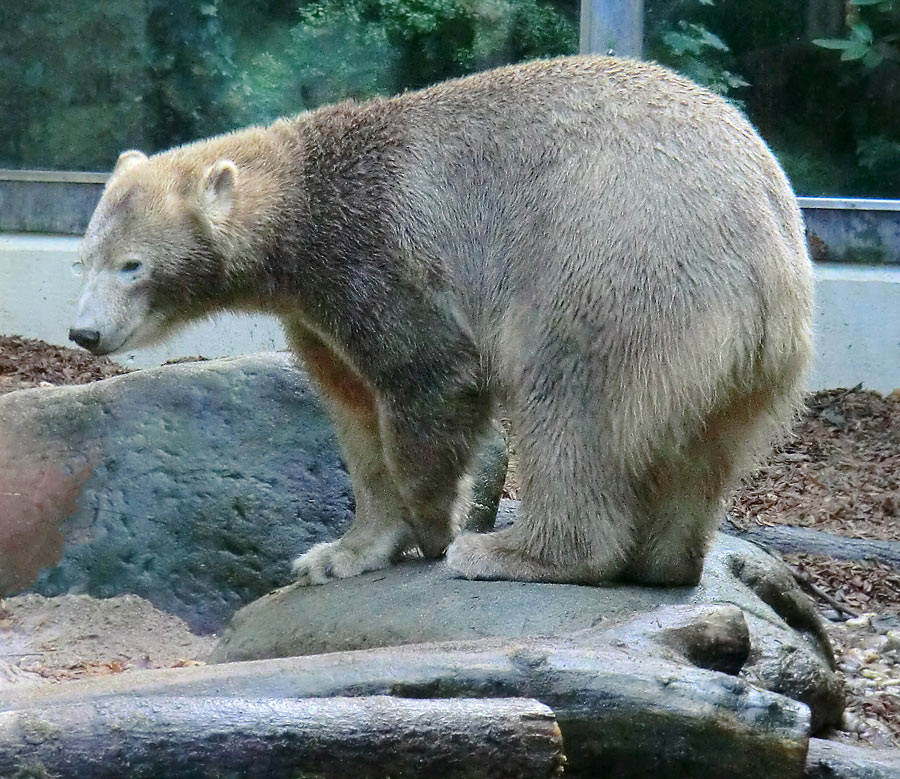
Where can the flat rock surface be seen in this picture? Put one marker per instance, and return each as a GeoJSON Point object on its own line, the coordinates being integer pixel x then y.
{"type": "Point", "coordinates": [417, 602]}
{"type": "Point", "coordinates": [830, 760]}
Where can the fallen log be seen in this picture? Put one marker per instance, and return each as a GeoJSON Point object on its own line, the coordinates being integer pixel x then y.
{"type": "Point", "coordinates": [836, 760]}
{"type": "Point", "coordinates": [792, 540]}
{"type": "Point", "coordinates": [622, 710]}
{"type": "Point", "coordinates": [334, 738]}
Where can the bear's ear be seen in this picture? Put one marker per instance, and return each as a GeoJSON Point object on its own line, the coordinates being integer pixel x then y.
{"type": "Point", "coordinates": [128, 159]}
{"type": "Point", "coordinates": [217, 190]}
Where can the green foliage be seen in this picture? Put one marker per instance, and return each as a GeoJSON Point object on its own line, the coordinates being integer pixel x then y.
{"type": "Point", "coordinates": [873, 34]}
{"type": "Point", "coordinates": [330, 55]}
{"type": "Point", "coordinates": [62, 104]}
{"type": "Point", "coordinates": [698, 53]}
{"type": "Point", "coordinates": [829, 119]}
{"type": "Point", "coordinates": [817, 173]}
{"type": "Point", "coordinates": [693, 39]}
{"type": "Point", "coordinates": [880, 156]}
{"type": "Point", "coordinates": [538, 29]}
{"type": "Point", "coordinates": [358, 48]}
{"type": "Point", "coordinates": [189, 70]}
{"type": "Point", "coordinates": [160, 78]}
{"type": "Point", "coordinates": [692, 48]}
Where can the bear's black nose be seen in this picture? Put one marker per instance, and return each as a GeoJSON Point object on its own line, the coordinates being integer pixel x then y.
{"type": "Point", "coordinates": [86, 338]}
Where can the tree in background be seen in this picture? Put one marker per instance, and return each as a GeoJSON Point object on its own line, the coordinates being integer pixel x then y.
{"type": "Point", "coordinates": [690, 47]}
{"type": "Point", "coordinates": [189, 71]}
{"type": "Point", "coordinates": [339, 49]}
{"type": "Point", "coordinates": [73, 83]}
{"type": "Point", "coordinates": [832, 124]}
{"type": "Point", "coordinates": [871, 50]}
{"type": "Point", "coordinates": [82, 81]}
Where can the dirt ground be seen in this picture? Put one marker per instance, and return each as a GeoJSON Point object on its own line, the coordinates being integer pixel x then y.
{"type": "Point", "coordinates": [839, 472]}
{"type": "Point", "coordinates": [74, 636]}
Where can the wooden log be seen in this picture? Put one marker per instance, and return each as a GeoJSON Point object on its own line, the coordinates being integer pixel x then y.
{"type": "Point", "coordinates": [791, 540]}
{"type": "Point", "coordinates": [837, 760]}
{"type": "Point", "coordinates": [195, 738]}
{"type": "Point", "coordinates": [622, 710]}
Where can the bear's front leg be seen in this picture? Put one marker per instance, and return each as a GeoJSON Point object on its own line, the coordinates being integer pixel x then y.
{"type": "Point", "coordinates": [365, 547]}
{"type": "Point", "coordinates": [380, 531]}
{"type": "Point", "coordinates": [429, 437]}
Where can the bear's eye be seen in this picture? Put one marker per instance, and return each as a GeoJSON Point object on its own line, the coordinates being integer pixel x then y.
{"type": "Point", "coordinates": [130, 266]}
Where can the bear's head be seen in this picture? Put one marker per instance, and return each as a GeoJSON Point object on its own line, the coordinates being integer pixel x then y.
{"type": "Point", "coordinates": [153, 254]}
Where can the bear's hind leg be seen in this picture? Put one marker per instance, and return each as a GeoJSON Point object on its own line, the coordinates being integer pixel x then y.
{"type": "Point", "coordinates": [674, 544]}
{"type": "Point", "coordinates": [380, 531]}
{"type": "Point", "coordinates": [685, 491]}
{"type": "Point", "coordinates": [576, 516]}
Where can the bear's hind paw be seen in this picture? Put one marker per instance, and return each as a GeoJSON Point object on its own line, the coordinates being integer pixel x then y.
{"type": "Point", "coordinates": [500, 556]}
{"type": "Point", "coordinates": [485, 556]}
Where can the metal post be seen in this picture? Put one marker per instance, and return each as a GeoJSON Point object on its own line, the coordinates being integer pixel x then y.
{"type": "Point", "coordinates": [612, 27]}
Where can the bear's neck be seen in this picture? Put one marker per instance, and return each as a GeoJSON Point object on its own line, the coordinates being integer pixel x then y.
{"type": "Point", "coordinates": [320, 211]}
{"type": "Point", "coordinates": [250, 241]}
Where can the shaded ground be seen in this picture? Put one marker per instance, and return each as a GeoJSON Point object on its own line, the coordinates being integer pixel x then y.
{"type": "Point", "coordinates": [840, 472]}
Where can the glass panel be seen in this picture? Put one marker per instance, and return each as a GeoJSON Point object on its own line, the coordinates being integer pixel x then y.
{"type": "Point", "coordinates": [819, 78]}
{"type": "Point", "coordinates": [82, 81]}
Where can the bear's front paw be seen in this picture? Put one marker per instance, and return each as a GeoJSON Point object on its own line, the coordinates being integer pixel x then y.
{"type": "Point", "coordinates": [334, 560]}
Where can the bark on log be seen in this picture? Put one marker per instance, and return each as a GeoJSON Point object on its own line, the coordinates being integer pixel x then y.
{"type": "Point", "coordinates": [622, 711]}
{"type": "Point", "coordinates": [195, 738]}
{"type": "Point", "coordinates": [792, 540]}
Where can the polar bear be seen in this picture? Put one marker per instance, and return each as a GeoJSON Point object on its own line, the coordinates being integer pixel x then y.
{"type": "Point", "coordinates": [605, 249]}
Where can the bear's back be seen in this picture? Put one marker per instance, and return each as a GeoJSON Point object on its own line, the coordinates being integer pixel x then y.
{"type": "Point", "coordinates": [570, 152]}
{"type": "Point", "coordinates": [587, 97]}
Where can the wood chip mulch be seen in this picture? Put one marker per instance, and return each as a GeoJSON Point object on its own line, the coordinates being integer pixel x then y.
{"type": "Point", "coordinates": [840, 471]}
{"type": "Point", "coordinates": [863, 585]}
{"type": "Point", "coordinates": [26, 363]}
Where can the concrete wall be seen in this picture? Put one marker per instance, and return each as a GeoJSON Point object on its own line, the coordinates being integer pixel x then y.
{"type": "Point", "coordinates": [857, 327]}
{"type": "Point", "coordinates": [857, 315]}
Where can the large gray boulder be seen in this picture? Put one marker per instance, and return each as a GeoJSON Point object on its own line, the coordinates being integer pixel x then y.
{"type": "Point", "coordinates": [787, 652]}
{"type": "Point", "coordinates": [192, 485]}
